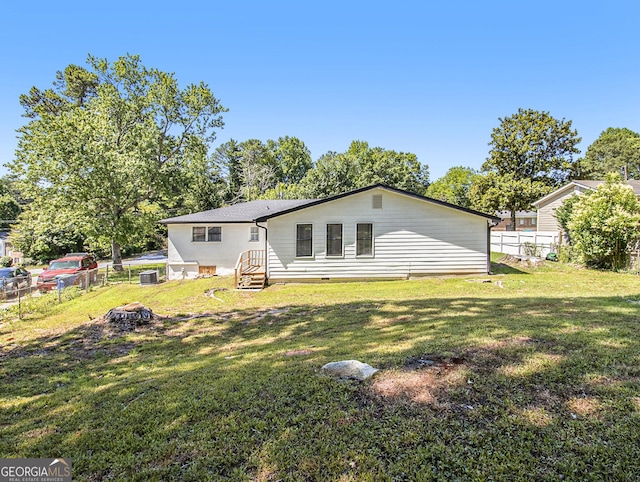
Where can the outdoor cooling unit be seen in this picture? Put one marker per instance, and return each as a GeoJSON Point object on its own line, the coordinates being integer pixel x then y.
{"type": "Point", "coordinates": [149, 277]}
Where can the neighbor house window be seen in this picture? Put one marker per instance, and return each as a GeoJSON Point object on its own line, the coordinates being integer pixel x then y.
{"type": "Point", "coordinates": [304, 240]}
{"type": "Point", "coordinates": [199, 234]}
{"type": "Point", "coordinates": [521, 222]}
{"type": "Point", "coordinates": [214, 233]}
{"type": "Point", "coordinates": [364, 239]}
{"type": "Point", "coordinates": [254, 234]}
{"type": "Point", "coordinates": [334, 239]}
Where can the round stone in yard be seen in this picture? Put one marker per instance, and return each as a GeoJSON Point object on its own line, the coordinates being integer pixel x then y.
{"type": "Point", "coordinates": [349, 369]}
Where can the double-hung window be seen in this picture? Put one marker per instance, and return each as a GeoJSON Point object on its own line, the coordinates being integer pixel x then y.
{"type": "Point", "coordinates": [198, 233]}
{"type": "Point", "coordinates": [364, 239]}
{"type": "Point", "coordinates": [210, 233]}
{"type": "Point", "coordinates": [214, 233]}
{"type": "Point", "coordinates": [304, 240]}
{"type": "Point", "coordinates": [254, 234]}
{"type": "Point", "coordinates": [334, 240]}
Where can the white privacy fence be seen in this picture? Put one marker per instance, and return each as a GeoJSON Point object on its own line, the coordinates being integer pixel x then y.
{"type": "Point", "coordinates": [514, 242]}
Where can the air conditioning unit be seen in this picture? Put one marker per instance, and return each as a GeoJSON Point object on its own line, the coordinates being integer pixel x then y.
{"type": "Point", "coordinates": [149, 277]}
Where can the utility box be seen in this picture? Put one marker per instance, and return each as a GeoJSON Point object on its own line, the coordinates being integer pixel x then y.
{"type": "Point", "coordinates": [65, 280]}
{"type": "Point", "coordinates": [149, 277]}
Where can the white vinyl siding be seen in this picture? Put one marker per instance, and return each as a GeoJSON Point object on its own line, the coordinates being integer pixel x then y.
{"type": "Point", "coordinates": [411, 237]}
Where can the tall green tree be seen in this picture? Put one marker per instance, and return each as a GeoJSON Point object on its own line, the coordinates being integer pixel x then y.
{"type": "Point", "coordinates": [44, 232]}
{"type": "Point", "coordinates": [11, 202]}
{"type": "Point", "coordinates": [290, 158]}
{"type": "Point", "coordinates": [605, 224]}
{"type": "Point", "coordinates": [362, 166]}
{"type": "Point", "coordinates": [531, 154]}
{"type": "Point", "coordinates": [616, 150]}
{"type": "Point", "coordinates": [454, 186]}
{"type": "Point", "coordinates": [227, 159]}
{"type": "Point", "coordinates": [107, 142]}
{"type": "Point", "coordinates": [258, 172]}
{"type": "Point", "coordinates": [332, 174]}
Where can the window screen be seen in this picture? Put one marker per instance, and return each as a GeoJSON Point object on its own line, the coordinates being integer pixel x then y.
{"type": "Point", "coordinates": [199, 234]}
{"type": "Point", "coordinates": [214, 233]}
{"type": "Point", "coordinates": [334, 239]}
{"type": "Point", "coordinates": [364, 239]}
{"type": "Point", "coordinates": [304, 241]}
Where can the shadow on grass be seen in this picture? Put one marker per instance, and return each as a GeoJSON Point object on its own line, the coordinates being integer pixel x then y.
{"type": "Point", "coordinates": [520, 388]}
{"type": "Point", "coordinates": [502, 268]}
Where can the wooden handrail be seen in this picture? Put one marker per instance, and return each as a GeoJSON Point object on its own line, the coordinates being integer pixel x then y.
{"type": "Point", "coordinates": [254, 258]}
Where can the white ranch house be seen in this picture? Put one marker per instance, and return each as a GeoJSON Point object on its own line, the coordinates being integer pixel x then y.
{"type": "Point", "coordinates": [377, 232]}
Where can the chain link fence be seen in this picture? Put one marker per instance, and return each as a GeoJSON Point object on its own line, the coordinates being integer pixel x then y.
{"type": "Point", "coordinates": [21, 294]}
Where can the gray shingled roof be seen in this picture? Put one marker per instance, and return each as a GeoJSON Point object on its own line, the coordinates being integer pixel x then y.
{"type": "Point", "coordinates": [239, 213]}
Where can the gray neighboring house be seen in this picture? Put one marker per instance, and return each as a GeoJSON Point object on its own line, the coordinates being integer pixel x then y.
{"type": "Point", "coordinates": [548, 204]}
{"type": "Point", "coordinates": [377, 232]}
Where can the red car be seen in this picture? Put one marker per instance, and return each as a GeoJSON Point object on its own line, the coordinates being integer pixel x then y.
{"type": "Point", "coordinates": [83, 265]}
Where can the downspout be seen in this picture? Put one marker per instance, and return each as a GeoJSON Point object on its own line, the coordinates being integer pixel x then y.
{"type": "Point", "coordinates": [266, 252]}
{"type": "Point", "coordinates": [490, 224]}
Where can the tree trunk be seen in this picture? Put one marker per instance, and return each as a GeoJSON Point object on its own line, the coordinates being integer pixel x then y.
{"type": "Point", "coordinates": [116, 256]}
{"type": "Point", "coordinates": [512, 221]}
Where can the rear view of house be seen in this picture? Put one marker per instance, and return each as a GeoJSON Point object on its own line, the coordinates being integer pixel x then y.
{"type": "Point", "coordinates": [376, 232]}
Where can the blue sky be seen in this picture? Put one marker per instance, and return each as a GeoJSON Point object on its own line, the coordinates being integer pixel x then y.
{"type": "Point", "coordinates": [431, 78]}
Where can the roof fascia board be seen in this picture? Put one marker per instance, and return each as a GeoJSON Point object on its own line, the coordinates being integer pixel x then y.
{"type": "Point", "coordinates": [542, 200]}
{"type": "Point", "coordinates": [204, 222]}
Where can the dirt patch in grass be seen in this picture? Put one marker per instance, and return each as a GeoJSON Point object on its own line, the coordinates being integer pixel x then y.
{"type": "Point", "coordinates": [424, 386]}
{"type": "Point", "coordinates": [298, 352]}
{"type": "Point", "coordinates": [450, 381]}
{"type": "Point", "coordinates": [98, 336]}
{"type": "Point", "coordinates": [424, 379]}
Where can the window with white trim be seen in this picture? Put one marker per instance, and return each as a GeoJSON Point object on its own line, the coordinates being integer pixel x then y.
{"type": "Point", "coordinates": [334, 240]}
{"type": "Point", "coordinates": [214, 233]}
{"type": "Point", "coordinates": [254, 234]}
{"type": "Point", "coordinates": [304, 240]}
{"type": "Point", "coordinates": [364, 239]}
{"type": "Point", "coordinates": [203, 233]}
{"type": "Point", "coordinates": [198, 233]}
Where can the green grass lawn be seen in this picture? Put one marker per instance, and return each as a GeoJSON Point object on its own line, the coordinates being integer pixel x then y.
{"type": "Point", "coordinates": [534, 375]}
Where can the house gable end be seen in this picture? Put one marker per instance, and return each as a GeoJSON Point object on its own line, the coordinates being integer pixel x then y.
{"type": "Point", "coordinates": [310, 204]}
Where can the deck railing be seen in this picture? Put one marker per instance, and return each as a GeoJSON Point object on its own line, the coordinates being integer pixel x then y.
{"type": "Point", "coordinates": [252, 261]}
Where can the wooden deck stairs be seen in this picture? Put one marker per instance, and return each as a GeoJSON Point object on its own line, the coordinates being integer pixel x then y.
{"type": "Point", "coordinates": [250, 271]}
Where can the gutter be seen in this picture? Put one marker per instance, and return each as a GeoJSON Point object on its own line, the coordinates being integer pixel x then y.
{"type": "Point", "coordinates": [266, 238]}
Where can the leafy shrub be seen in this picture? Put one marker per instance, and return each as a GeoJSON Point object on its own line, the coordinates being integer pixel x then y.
{"type": "Point", "coordinates": [605, 224]}
{"type": "Point", "coordinates": [6, 261]}
{"type": "Point", "coordinates": [531, 249]}
{"type": "Point", "coordinates": [563, 251]}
